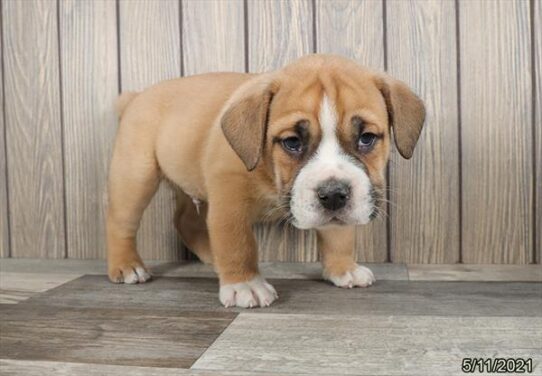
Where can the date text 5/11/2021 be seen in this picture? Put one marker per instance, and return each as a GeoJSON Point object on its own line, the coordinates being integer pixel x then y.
{"type": "Point", "coordinates": [497, 365]}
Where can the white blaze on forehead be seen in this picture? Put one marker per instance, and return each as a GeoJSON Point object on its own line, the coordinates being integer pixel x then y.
{"type": "Point", "coordinates": [330, 161]}
{"type": "Point", "coordinates": [327, 117]}
{"type": "Point", "coordinates": [329, 148]}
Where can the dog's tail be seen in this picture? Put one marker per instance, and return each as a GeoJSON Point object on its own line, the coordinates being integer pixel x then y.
{"type": "Point", "coordinates": [124, 100]}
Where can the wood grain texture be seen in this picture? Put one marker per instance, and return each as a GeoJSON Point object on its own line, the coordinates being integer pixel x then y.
{"type": "Point", "coordinates": [149, 53]}
{"type": "Point", "coordinates": [280, 32]}
{"type": "Point", "coordinates": [213, 36]}
{"type": "Point", "coordinates": [355, 29]}
{"type": "Point", "coordinates": [537, 12]}
{"type": "Point", "coordinates": [108, 336]}
{"type": "Point", "coordinates": [4, 220]}
{"type": "Point", "coordinates": [425, 189]}
{"type": "Point", "coordinates": [283, 270]}
{"type": "Point", "coordinates": [16, 367]}
{"type": "Point", "coordinates": [34, 128]}
{"type": "Point", "coordinates": [496, 137]}
{"type": "Point", "coordinates": [472, 272]}
{"type": "Point", "coordinates": [368, 345]}
{"type": "Point", "coordinates": [12, 367]}
{"type": "Point", "coordinates": [90, 86]}
{"type": "Point", "coordinates": [351, 28]}
{"type": "Point", "coordinates": [410, 298]}
{"type": "Point", "coordinates": [16, 287]}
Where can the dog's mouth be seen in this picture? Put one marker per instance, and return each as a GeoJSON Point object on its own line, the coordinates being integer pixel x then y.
{"type": "Point", "coordinates": [336, 221]}
{"type": "Point", "coordinates": [347, 216]}
{"type": "Point", "coordinates": [344, 217]}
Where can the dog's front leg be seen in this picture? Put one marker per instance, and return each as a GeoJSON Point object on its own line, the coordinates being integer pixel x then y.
{"type": "Point", "coordinates": [235, 253]}
{"type": "Point", "coordinates": [336, 246]}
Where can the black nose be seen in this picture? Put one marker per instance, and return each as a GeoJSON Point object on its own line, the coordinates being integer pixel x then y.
{"type": "Point", "coordinates": [333, 194]}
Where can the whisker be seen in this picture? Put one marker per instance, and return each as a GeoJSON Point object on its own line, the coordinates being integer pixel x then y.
{"type": "Point", "coordinates": [386, 201]}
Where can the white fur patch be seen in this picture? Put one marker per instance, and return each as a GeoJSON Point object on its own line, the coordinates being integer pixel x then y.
{"type": "Point", "coordinates": [137, 275]}
{"type": "Point", "coordinates": [254, 293]}
{"type": "Point", "coordinates": [359, 277]}
{"type": "Point", "coordinates": [330, 161]}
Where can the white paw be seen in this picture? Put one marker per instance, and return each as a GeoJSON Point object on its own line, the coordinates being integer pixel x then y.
{"type": "Point", "coordinates": [137, 275]}
{"type": "Point", "coordinates": [359, 277]}
{"type": "Point", "coordinates": [254, 293]}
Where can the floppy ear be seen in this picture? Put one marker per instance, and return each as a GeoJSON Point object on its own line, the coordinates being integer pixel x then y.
{"type": "Point", "coordinates": [244, 124]}
{"type": "Point", "coordinates": [406, 113]}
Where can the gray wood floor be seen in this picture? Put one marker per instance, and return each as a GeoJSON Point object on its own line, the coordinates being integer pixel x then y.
{"type": "Point", "coordinates": [62, 320]}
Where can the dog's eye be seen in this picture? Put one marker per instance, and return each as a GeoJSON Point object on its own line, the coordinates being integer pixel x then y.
{"type": "Point", "coordinates": [367, 140]}
{"type": "Point", "coordinates": [292, 144]}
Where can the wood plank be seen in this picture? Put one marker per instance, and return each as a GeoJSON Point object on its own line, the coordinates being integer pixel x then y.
{"type": "Point", "coordinates": [213, 36]}
{"type": "Point", "coordinates": [285, 270]}
{"type": "Point", "coordinates": [34, 282]}
{"type": "Point", "coordinates": [44, 368]}
{"type": "Point", "coordinates": [425, 196]}
{"type": "Point", "coordinates": [47, 368]}
{"type": "Point", "coordinates": [471, 272]}
{"type": "Point", "coordinates": [108, 336]}
{"type": "Point", "coordinates": [149, 53]}
{"type": "Point", "coordinates": [14, 296]}
{"type": "Point", "coordinates": [285, 29]}
{"type": "Point", "coordinates": [397, 345]}
{"type": "Point", "coordinates": [16, 287]}
{"type": "Point", "coordinates": [538, 125]}
{"type": "Point", "coordinates": [355, 29]}
{"type": "Point", "coordinates": [34, 128]}
{"type": "Point", "coordinates": [4, 212]}
{"type": "Point", "coordinates": [351, 28]}
{"type": "Point", "coordinates": [305, 270]}
{"type": "Point", "coordinates": [90, 86]}
{"type": "Point", "coordinates": [307, 296]}
{"type": "Point", "coordinates": [497, 155]}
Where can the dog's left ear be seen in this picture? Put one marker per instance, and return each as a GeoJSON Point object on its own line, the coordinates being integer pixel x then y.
{"type": "Point", "coordinates": [406, 113]}
{"type": "Point", "coordinates": [244, 122]}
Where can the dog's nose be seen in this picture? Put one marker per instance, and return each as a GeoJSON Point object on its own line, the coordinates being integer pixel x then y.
{"type": "Point", "coordinates": [333, 194]}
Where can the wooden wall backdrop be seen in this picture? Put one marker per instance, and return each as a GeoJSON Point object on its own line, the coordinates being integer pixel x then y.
{"type": "Point", "coordinates": [4, 223]}
{"type": "Point", "coordinates": [472, 193]}
{"type": "Point", "coordinates": [537, 123]}
{"type": "Point", "coordinates": [496, 102]}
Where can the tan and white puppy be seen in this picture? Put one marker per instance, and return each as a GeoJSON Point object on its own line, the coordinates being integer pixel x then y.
{"type": "Point", "coordinates": [307, 144]}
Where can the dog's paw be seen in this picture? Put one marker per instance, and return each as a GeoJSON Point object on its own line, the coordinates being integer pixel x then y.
{"type": "Point", "coordinates": [254, 293]}
{"type": "Point", "coordinates": [129, 272]}
{"type": "Point", "coordinates": [360, 276]}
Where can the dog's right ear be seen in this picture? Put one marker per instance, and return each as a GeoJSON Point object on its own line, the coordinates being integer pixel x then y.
{"type": "Point", "coordinates": [244, 122]}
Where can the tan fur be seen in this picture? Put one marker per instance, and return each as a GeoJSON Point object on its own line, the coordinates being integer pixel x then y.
{"type": "Point", "coordinates": [336, 247]}
{"type": "Point", "coordinates": [204, 133]}
{"type": "Point", "coordinates": [124, 100]}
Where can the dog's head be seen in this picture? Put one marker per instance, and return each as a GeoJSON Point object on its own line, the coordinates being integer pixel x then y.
{"type": "Point", "coordinates": [320, 128]}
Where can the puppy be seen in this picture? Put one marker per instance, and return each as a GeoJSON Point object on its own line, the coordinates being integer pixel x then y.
{"type": "Point", "coordinates": [306, 144]}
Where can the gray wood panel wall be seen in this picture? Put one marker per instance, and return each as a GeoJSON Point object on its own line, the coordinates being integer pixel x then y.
{"type": "Point", "coordinates": [537, 67]}
{"type": "Point", "coordinates": [496, 103]}
{"type": "Point", "coordinates": [88, 52]}
{"type": "Point", "coordinates": [4, 223]}
{"type": "Point", "coordinates": [34, 132]}
{"type": "Point", "coordinates": [425, 214]}
{"type": "Point", "coordinates": [472, 192]}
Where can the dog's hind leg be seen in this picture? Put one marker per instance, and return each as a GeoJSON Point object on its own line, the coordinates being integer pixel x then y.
{"type": "Point", "coordinates": [190, 221]}
{"type": "Point", "coordinates": [133, 180]}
